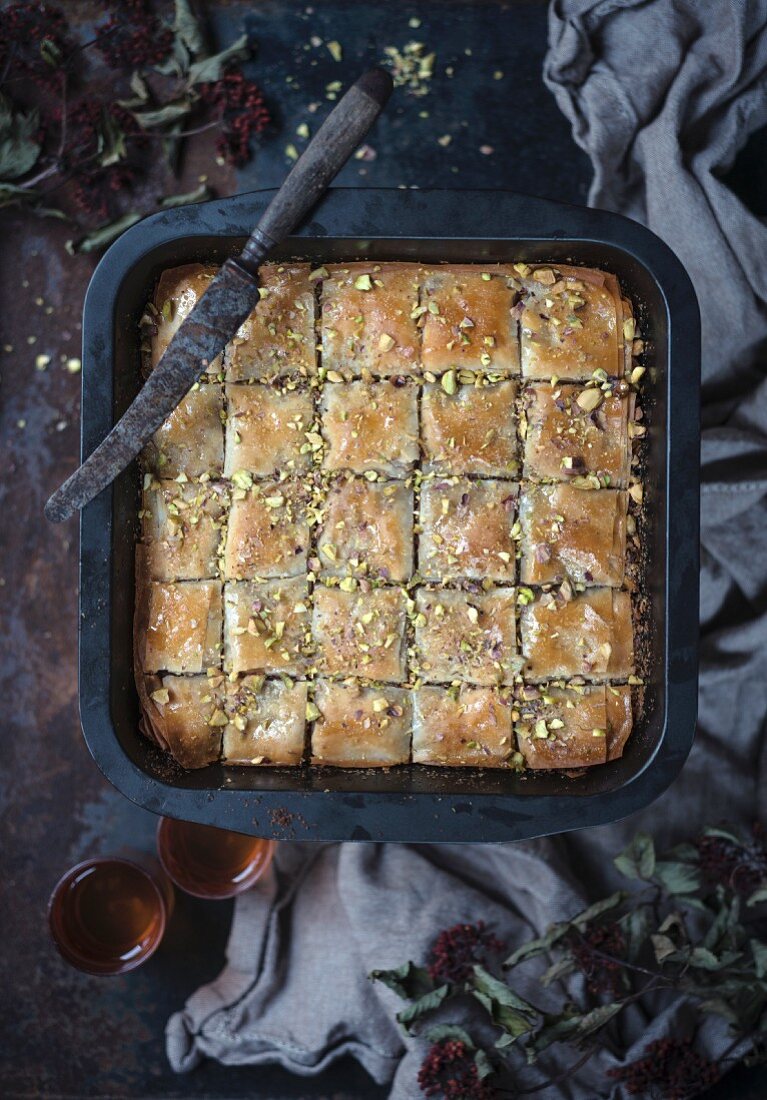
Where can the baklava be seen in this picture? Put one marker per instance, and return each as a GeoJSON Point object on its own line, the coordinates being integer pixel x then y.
{"type": "Point", "coordinates": [394, 524]}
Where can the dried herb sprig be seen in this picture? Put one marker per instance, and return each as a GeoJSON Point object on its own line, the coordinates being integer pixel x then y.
{"type": "Point", "coordinates": [688, 927]}
{"type": "Point", "coordinates": [81, 148]}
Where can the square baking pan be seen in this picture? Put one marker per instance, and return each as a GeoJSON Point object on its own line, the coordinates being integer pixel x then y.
{"type": "Point", "coordinates": [414, 802]}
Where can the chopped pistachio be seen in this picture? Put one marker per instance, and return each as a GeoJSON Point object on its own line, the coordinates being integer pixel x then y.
{"type": "Point", "coordinates": [590, 399]}
{"type": "Point", "coordinates": [336, 51]}
{"type": "Point", "coordinates": [363, 282]}
{"type": "Point", "coordinates": [312, 712]}
{"type": "Point", "coordinates": [161, 696]}
{"type": "Point", "coordinates": [448, 382]}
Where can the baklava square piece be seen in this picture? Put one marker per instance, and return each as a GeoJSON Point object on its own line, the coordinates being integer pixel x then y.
{"type": "Point", "coordinates": [562, 728]}
{"type": "Point", "coordinates": [266, 625]}
{"type": "Point", "coordinates": [466, 636]}
{"type": "Point", "coordinates": [589, 635]}
{"type": "Point", "coordinates": [369, 320]}
{"type": "Point", "coordinates": [571, 325]}
{"type": "Point", "coordinates": [181, 528]}
{"type": "Point", "coordinates": [266, 430]}
{"type": "Point", "coordinates": [367, 530]}
{"type": "Point", "coordinates": [578, 534]}
{"type": "Point", "coordinates": [569, 439]}
{"type": "Point", "coordinates": [370, 426]}
{"type": "Point", "coordinates": [466, 529]}
{"type": "Point", "coordinates": [470, 727]}
{"type": "Point", "coordinates": [191, 441]}
{"type": "Point", "coordinates": [472, 430]}
{"type": "Point", "coordinates": [267, 720]}
{"type": "Point", "coordinates": [361, 633]}
{"type": "Point", "coordinates": [178, 292]}
{"type": "Point", "coordinates": [268, 530]}
{"type": "Point", "coordinates": [278, 337]}
{"type": "Point", "coordinates": [182, 626]}
{"type": "Point", "coordinates": [184, 715]}
{"type": "Point", "coordinates": [468, 323]}
{"type": "Point", "coordinates": [361, 727]}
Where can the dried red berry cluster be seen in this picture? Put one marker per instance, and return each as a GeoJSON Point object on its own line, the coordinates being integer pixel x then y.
{"type": "Point", "coordinates": [670, 1069]}
{"type": "Point", "coordinates": [449, 1071]}
{"type": "Point", "coordinates": [94, 185]}
{"type": "Point", "coordinates": [742, 868]}
{"type": "Point", "coordinates": [243, 112]}
{"type": "Point", "coordinates": [24, 28]}
{"type": "Point", "coordinates": [134, 37]}
{"type": "Point", "coordinates": [457, 949]}
{"type": "Point", "coordinates": [602, 975]}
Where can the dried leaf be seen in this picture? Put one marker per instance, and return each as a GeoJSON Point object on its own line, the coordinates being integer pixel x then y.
{"type": "Point", "coordinates": [560, 969]}
{"type": "Point", "coordinates": [187, 28]}
{"type": "Point", "coordinates": [758, 896]}
{"type": "Point", "coordinates": [427, 1003]}
{"type": "Point", "coordinates": [677, 878]}
{"type": "Point", "coordinates": [638, 859]}
{"type": "Point", "coordinates": [161, 116]}
{"type": "Point", "coordinates": [439, 1032]}
{"type": "Point", "coordinates": [198, 195]}
{"type": "Point", "coordinates": [537, 946]}
{"type": "Point", "coordinates": [759, 952]}
{"type": "Point", "coordinates": [212, 68]}
{"type": "Point", "coordinates": [51, 53]}
{"type": "Point", "coordinates": [102, 236]}
{"type": "Point", "coordinates": [485, 1067]}
{"type": "Point", "coordinates": [111, 140]}
{"type": "Point", "coordinates": [407, 981]}
{"type": "Point", "coordinates": [597, 909]}
{"type": "Point", "coordinates": [18, 148]}
{"type": "Point", "coordinates": [572, 1026]}
{"type": "Point", "coordinates": [508, 1011]}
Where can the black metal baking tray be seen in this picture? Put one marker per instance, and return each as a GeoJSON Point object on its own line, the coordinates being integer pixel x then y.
{"type": "Point", "coordinates": [410, 803]}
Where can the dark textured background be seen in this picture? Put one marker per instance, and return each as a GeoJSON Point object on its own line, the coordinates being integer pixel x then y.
{"type": "Point", "coordinates": [63, 1034]}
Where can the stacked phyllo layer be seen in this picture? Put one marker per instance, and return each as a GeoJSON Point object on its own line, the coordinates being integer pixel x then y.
{"type": "Point", "coordinates": [395, 522]}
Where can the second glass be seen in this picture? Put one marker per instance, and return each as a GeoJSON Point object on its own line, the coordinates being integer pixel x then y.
{"type": "Point", "coordinates": [208, 862]}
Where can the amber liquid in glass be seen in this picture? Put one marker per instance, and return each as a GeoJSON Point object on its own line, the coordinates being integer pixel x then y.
{"type": "Point", "coordinates": [211, 862]}
{"type": "Point", "coordinates": [108, 916]}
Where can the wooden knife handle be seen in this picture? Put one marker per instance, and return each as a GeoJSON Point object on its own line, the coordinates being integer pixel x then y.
{"type": "Point", "coordinates": [325, 155]}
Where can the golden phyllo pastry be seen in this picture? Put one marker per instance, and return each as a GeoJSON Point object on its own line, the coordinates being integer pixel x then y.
{"type": "Point", "coordinates": [265, 626]}
{"type": "Point", "coordinates": [361, 727]}
{"type": "Point", "coordinates": [575, 534]}
{"type": "Point", "coordinates": [190, 443]}
{"type": "Point", "coordinates": [462, 728]}
{"type": "Point", "coordinates": [369, 315]}
{"type": "Point", "coordinates": [181, 528]}
{"type": "Point", "coordinates": [367, 530]}
{"type": "Point", "coordinates": [466, 529]}
{"type": "Point", "coordinates": [266, 721]}
{"type": "Point", "coordinates": [266, 430]}
{"type": "Point", "coordinates": [570, 324]}
{"type": "Point", "coordinates": [178, 292]}
{"type": "Point", "coordinates": [468, 322]}
{"type": "Point", "coordinates": [572, 728]}
{"type": "Point", "coordinates": [397, 523]}
{"type": "Point", "coordinates": [466, 636]}
{"type": "Point", "coordinates": [371, 426]}
{"type": "Point", "coordinates": [185, 716]}
{"type": "Point", "coordinates": [587, 635]}
{"type": "Point", "coordinates": [471, 430]}
{"type": "Point", "coordinates": [181, 625]}
{"type": "Point", "coordinates": [577, 434]}
{"type": "Point", "coordinates": [278, 337]}
{"type": "Point", "coordinates": [268, 529]}
{"type": "Point", "coordinates": [361, 633]}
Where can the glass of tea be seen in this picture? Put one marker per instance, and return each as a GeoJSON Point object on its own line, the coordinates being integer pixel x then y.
{"type": "Point", "coordinates": [108, 916]}
{"type": "Point", "coordinates": [208, 862]}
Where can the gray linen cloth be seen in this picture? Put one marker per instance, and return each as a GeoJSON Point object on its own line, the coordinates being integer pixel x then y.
{"type": "Point", "coordinates": [661, 94]}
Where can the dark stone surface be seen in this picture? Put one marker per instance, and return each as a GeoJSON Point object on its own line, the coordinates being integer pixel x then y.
{"type": "Point", "coordinates": [63, 1034]}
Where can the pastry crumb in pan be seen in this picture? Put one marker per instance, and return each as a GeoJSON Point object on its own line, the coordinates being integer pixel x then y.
{"type": "Point", "coordinates": [396, 523]}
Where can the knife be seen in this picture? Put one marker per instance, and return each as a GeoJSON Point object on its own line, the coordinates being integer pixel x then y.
{"type": "Point", "coordinates": [230, 297]}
